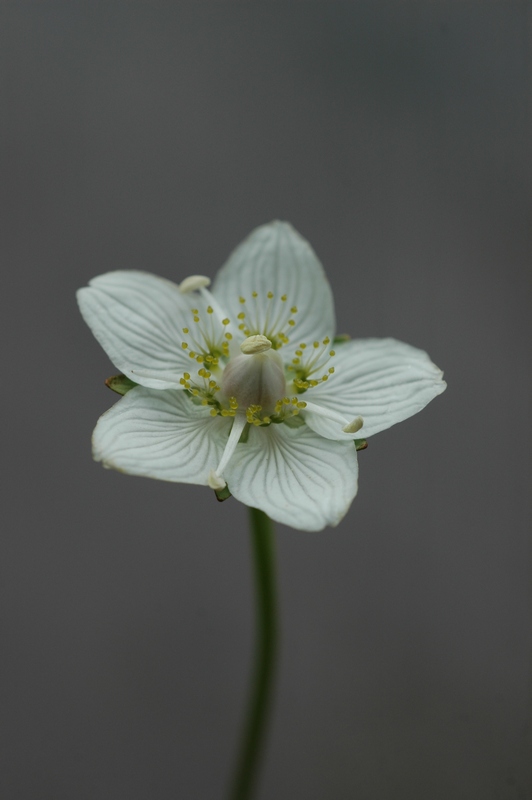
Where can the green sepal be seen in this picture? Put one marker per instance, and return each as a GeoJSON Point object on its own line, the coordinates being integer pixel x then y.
{"type": "Point", "coordinates": [360, 444]}
{"type": "Point", "coordinates": [293, 422]}
{"type": "Point", "coordinates": [244, 436]}
{"type": "Point", "coordinates": [120, 384]}
{"type": "Point", "coordinates": [340, 338]}
{"type": "Point", "coordinates": [222, 494]}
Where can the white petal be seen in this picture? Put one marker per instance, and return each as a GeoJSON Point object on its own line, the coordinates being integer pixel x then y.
{"type": "Point", "coordinates": [382, 380]}
{"type": "Point", "coordinates": [160, 434]}
{"type": "Point", "coordinates": [138, 320]}
{"type": "Point", "coordinates": [275, 258]}
{"type": "Point", "coordinates": [295, 476]}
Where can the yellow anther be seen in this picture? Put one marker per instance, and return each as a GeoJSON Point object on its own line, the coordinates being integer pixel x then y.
{"type": "Point", "coordinates": [194, 310]}
{"type": "Point", "coordinates": [196, 319]}
{"type": "Point", "coordinates": [296, 360]}
{"type": "Point", "coordinates": [269, 295]}
{"type": "Point", "coordinates": [316, 344]}
{"type": "Point", "coordinates": [254, 294]}
{"type": "Point", "coordinates": [301, 404]}
{"type": "Point", "coordinates": [331, 370]}
{"type": "Point", "coordinates": [204, 402]}
{"type": "Point", "coordinates": [228, 335]}
{"type": "Point", "coordinates": [185, 330]}
{"type": "Point", "coordinates": [214, 412]}
{"type": "Point", "coordinates": [293, 310]}
{"type": "Point", "coordinates": [283, 298]}
{"type": "Point", "coordinates": [326, 340]}
{"type": "Point", "coordinates": [199, 359]}
{"type": "Point", "coordinates": [291, 322]}
{"type": "Point", "coordinates": [226, 321]}
{"type": "Point", "coordinates": [184, 345]}
{"type": "Point", "coordinates": [182, 381]}
{"type": "Point", "coordinates": [241, 315]}
{"type": "Point", "coordinates": [242, 299]}
{"type": "Point", "coordinates": [209, 310]}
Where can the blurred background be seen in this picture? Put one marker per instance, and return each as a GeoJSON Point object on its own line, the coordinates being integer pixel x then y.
{"type": "Point", "coordinates": [395, 136]}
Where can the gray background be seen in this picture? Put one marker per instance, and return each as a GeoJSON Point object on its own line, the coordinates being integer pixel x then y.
{"type": "Point", "coordinates": [396, 137]}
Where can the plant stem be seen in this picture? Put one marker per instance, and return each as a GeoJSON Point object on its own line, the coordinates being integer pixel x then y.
{"type": "Point", "coordinates": [262, 539]}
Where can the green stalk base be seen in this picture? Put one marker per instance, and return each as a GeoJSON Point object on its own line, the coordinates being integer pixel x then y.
{"type": "Point", "coordinates": [262, 539]}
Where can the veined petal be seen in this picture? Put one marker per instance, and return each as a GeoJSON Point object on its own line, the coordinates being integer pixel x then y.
{"type": "Point", "coordinates": [295, 476]}
{"type": "Point", "coordinates": [382, 380]}
{"type": "Point", "coordinates": [138, 320]}
{"type": "Point", "coordinates": [160, 434]}
{"type": "Point", "coordinates": [276, 259]}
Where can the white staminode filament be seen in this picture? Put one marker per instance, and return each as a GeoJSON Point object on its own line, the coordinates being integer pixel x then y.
{"type": "Point", "coordinates": [215, 478]}
{"type": "Point", "coordinates": [347, 427]}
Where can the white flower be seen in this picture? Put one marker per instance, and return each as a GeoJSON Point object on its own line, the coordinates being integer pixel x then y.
{"type": "Point", "coordinates": [242, 384]}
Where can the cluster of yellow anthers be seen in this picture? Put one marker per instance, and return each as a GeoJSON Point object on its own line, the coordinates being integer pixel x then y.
{"type": "Point", "coordinates": [259, 318]}
{"type": "Point", "coordinates": [305, 364]}
{"type": "Point", "coordinates": [206, 390]}
{"type": "Point", "coordinates": [286, 407]}
{"type": "Point", "coordinates": [210, 344]}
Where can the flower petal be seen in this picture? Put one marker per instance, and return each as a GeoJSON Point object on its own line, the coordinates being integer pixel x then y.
{"type": "Point", "coordinates": [160, 434]}
{"type": "Point", "coordinates": [295, 476]}
{"type": "Point", "coordinates": [275, 258]}
{"type": "Point", "coordinates": [382, 380]}
{"type": "Point", "coordinates": [138, 319]}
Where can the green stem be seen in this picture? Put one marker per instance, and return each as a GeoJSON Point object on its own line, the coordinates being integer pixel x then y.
{"type": "Point", "coordinates": [262, 538]}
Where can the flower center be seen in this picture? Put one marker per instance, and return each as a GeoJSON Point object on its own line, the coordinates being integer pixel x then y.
{"type": "Point", "coordinates": [252, 384]}
{"type": "Point", "coordinates": [255, 379]}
